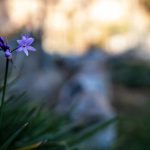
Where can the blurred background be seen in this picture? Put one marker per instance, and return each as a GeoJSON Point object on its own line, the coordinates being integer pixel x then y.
{"type": "Point", "coordinates": [70, 27]}
{"type": "Point", "coordinates": [86, 48]}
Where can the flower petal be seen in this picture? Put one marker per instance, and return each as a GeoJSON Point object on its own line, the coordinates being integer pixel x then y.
{"type": "Point", "coordinates": [30, 48]}
{"type": "Point", "coordinates": [2, 40]}
{"type": "Point", "coordinates": [20, 49]}
{"type": "Point", "coordinates": [26, 51]}
{"type": "Point", "coordinates": [24, 37]}
{"type": "Point", "coordinates": [29, 41]}
{"type": "Point", "coordinates": [19, 42]}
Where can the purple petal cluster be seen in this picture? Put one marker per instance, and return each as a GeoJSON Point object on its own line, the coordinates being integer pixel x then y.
{"type": "Point", "coordinates": [25, 44]}
{"type": "Point", "coordinates": [4, 47]}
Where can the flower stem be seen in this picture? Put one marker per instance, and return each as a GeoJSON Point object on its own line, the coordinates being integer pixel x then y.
{"type": "Point", "coordinates": [14, 49]}
{"type": "Point", "coordinates": [4, 88]}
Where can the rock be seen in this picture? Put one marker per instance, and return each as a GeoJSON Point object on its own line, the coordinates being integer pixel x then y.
{"type": "Point", "coordinates": [87, 97]}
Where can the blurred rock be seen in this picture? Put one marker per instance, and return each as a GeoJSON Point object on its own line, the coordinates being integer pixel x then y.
{"type": "Point", "coordinates": [86, 95]}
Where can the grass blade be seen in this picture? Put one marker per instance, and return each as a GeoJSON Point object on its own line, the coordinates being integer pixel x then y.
{"type": "Point", "coordinates": [89, 132]}
{"type": "Point", "coordinates": [10, 140]}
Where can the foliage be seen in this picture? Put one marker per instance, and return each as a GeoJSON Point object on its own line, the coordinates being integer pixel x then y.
{"type": "Point", "coordinates": [131, 73]}
{"type": "Point", "coordinates": [134, 133]}
{"type": "Point", "coordinates": [29, 125]}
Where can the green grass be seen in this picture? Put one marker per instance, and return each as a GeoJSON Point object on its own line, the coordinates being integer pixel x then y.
{"type": "Point", "coordinates": [28, 125]}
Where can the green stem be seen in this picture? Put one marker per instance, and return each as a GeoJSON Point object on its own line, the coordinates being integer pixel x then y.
{"type": "Point", "coordinates": [4, 88]}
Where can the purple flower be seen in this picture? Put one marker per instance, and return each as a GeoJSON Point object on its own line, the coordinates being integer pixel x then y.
{"type": "Point", "coordinates": [3, 44]}
{"type": "Point", "coordinates": [8, 54]}
{"type": "Point", "coordinates": [25, 44]}
{"type": "Point", "coordinates": [4, 47]}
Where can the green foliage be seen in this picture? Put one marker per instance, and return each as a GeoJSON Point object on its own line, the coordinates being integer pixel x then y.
{"type": "Point", "coordinates": [134, 133]}
{"type": "Point", "coordinates": [28, 125]}
{"type": "Point", "coordinates": [134, 125]}
{"type": "Point", "coordinates": [131, 73]}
